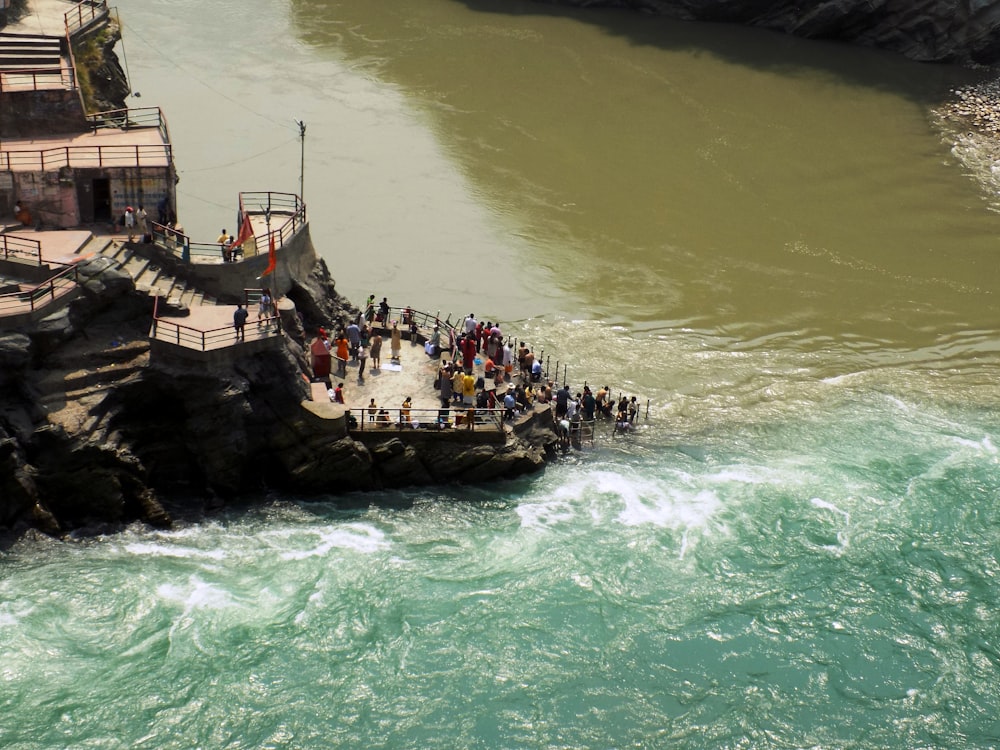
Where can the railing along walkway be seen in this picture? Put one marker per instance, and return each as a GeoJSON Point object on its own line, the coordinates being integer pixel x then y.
{"type": "Point", "coordinates": [32, 299]}
{"type": "Point", "coordinates": [286, 208]}
{"type": "Point", "coordinates": [37, 79]}
{"type": "Point", "coordinates": [211, 337]}
{"type": "Point", "coordinates": [83, 14]}
{"type": "Point", "coordinates": [467, 418]}
{"type": "Point", "coordinates": [82, 157]}
{"type": "Point", "coordinates": [130, 119]}
{"type": "Point", "coordinates": [21, 249]}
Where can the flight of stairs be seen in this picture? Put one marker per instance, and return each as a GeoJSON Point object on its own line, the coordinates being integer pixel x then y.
{"type": "Point", "coordinates": [23, 51]}
{"type": "Point", "coordinates": [41, 55]}
{"type": "Point", "coordinates": [147, 274]}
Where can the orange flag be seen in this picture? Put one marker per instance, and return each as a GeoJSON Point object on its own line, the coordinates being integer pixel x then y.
{"type": "Point", "coordinates": [246, 232]}
{"type": "Point", "coordinates": [272, 257]}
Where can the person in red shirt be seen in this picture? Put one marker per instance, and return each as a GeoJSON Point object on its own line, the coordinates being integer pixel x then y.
{"type": "Point", "coordinates": [469, 353]}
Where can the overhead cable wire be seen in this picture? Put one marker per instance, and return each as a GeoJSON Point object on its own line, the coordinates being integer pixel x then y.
{"type": "Point", "coordinates": [211, 88]}
{"type": "Point", "coordinates": [238, 161]}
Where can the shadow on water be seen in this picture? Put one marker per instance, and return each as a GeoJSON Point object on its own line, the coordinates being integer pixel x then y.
{"type": "Point", "coordinates": [758, 48]}
{"type": "Point", "coordinates": [752, 189]}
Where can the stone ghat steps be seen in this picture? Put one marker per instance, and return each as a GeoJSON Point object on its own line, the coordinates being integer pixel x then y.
{"type": "Point", "coordinates": [21, 52]}
{"type": "Point", "coordinates": [151, 278]}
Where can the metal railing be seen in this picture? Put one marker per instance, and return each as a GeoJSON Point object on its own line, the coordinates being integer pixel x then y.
{"type": "Point", "coordinates": [171, 240]}
{"type": "Point", "coordinates": [86, 156]}
{"type": "Point", "coordinates": [460, 418]}
{"type": "Point", "coordinates": [83, 14]}
{"type": "Point", "coordinates": [128, 119]}
{"type": "Point", "coordinates": [21, 249]}
{"type": "Point", "coordinates": [407, 316]}
{"type": "Point", "coordinates": [170, 331]}
{"type": "Point", "coordinates": [39, 78]}
{"type": "Point", "coordinates": [273, 206]}
{"type": "Point", "coordinates": [38, 297]}
{"type": "Point", "coordinates": [179, 244]}
{"type": "Point", "coordinates": [284, 206]}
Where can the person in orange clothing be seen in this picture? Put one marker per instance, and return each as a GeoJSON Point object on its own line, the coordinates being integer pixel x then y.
{"type": "Point", "coordinates": [22, 214]}
{"type": "Point", "coordinates": [343, 351]}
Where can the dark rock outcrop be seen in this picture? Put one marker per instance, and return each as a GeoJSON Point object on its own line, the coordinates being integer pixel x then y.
{"type": "Point", "coordinates": [927, 30]}
{"type": "Point", "coordinates": [93, 436]}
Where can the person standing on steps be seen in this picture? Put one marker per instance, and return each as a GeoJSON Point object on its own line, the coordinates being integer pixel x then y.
{"type": "Point", "coordinates": [129, 223]}
{"type": "Point", "coordinates": [240, 322]}
{"type": "Point", "coordinates": [142, 224]}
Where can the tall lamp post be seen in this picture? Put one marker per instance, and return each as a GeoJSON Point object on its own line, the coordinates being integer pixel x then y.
{"type": "Point", "coordinates": [302, 159]}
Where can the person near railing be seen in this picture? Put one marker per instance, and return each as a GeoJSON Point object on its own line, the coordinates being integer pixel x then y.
{"type": "Point", "coordinates": [223, 239]}
{"type": "Point", "coordinates": [404, 412]}
{"type": "Point", "coordinates": [509, 403]}
{"type": "Point", "coordinates": [434, 343]}
{"type": "Point", "coordinates": [264, 306]}
{"type": "Point", "coordinates": [508, 361]}
{"type": "Point", "coordinates": [444, 383]}
{"type": "Point", "coordinates": [240, 322]}
{"type": "Point", "coordinates": [589, 404]}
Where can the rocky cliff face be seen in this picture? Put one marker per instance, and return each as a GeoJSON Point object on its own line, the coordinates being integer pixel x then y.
{"type": "Point", "coordinates": [93, 436]}
{"type": "Point", "coordinates": [928, 30]}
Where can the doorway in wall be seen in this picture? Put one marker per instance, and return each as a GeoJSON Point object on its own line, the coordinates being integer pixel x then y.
{"type": "Point", "coordinates": [102, 199]}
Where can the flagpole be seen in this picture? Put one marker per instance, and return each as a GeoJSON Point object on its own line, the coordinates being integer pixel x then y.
{"type": "Point", "coordinates": [302, 159]}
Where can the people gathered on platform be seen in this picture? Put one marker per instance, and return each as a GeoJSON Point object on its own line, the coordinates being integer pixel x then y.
{"type": "Point", "coordinates": [481, 376]}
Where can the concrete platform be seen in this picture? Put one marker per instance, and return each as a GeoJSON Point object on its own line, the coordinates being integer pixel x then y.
{"type": "Point", "coordinates": [46, 17]}
{"type": "Point", "coordinates": [390, 385]}
{"type": "Point", "coordinates": [108, 147]}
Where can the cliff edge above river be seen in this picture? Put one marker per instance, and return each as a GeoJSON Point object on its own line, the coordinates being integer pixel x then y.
{"type": "Point", "coordinates": [95, 433]}
{"type": "Point", "coordinates": [964, 31]}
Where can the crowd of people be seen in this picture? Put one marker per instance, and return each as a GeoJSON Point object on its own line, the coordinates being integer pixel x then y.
{"type": "Point", "coordinates": [479, 368]}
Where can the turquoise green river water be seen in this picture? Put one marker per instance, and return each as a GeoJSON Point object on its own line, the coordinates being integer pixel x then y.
{"type": "Point", "coordinates": [769, 240]}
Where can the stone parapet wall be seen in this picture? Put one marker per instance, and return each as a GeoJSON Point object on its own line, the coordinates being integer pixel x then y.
{"type": "Point", "coordinates": [26, 114]}
{"type": "Point", "coordinates": [226, 281]}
